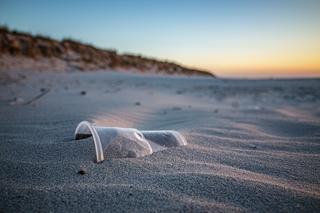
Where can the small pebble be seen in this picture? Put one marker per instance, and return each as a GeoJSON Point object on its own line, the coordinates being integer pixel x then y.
{"type": "Point", "coordinates": [82, 172]}
{"type": "Point", "coordinates": [253, 146]}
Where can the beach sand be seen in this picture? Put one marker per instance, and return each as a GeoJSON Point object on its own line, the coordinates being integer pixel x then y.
{"type": "Point", "coordinates": [252, 145]}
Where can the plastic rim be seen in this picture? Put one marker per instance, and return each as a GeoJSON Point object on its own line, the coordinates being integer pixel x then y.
{"type": "Point", "coordinates": [96, 139]}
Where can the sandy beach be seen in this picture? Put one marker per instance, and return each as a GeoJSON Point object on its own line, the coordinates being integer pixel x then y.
{"type": "Point", "coordinates": [253, 145]}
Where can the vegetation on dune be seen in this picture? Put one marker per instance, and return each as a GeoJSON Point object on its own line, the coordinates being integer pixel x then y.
{"type": "Point", "coordinates": [83, 56]}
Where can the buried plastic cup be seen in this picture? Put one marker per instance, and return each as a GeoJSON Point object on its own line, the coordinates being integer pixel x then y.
{"type": "Point", "coordinates": [116, 142]}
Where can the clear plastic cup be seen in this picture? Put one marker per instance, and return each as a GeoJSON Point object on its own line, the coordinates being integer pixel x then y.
{"type": "Point", "coordinates": [116, 142]}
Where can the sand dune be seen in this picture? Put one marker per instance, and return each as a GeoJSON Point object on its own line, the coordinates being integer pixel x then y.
{"type": "Point", "coordinates": [252, 145]}
{"type": "Point", "coordinates": [24, 51]}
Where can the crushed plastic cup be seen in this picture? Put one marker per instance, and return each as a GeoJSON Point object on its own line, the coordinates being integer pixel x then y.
{"type": "Point", "coordinates": [116, 142]}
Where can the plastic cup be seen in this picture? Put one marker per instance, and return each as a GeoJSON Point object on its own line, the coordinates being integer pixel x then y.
{"type": "Point", "coordinates": [116, 142]}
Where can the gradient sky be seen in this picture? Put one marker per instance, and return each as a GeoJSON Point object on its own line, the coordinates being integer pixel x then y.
{"type": "Point", "coordinates": [247, 38]}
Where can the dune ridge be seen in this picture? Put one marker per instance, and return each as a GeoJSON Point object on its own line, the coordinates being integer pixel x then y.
{"type": "Point", "coordinates": [23, 51]}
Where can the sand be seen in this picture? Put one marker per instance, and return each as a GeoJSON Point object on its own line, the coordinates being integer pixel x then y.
{"type": "Point", "coordinates": [252, 145]}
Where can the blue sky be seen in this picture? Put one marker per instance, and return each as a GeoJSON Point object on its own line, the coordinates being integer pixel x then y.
{"type": "Point", "coordinates": [228, 37]}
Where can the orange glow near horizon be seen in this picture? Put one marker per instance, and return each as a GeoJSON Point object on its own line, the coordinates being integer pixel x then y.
{"type": "Point", "coordinates": [300, 67]}
{"type": "Point", "coordinates": [294, 63]}
{"type": "Point", "coordinates": [263, 73]}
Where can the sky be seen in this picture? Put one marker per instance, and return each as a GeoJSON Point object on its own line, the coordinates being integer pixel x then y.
{"type": "Point", "coordinates": [231, 38]}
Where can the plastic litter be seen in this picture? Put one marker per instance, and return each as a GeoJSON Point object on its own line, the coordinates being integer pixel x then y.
{"type": "Point", "coordinates": [116, 142]}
